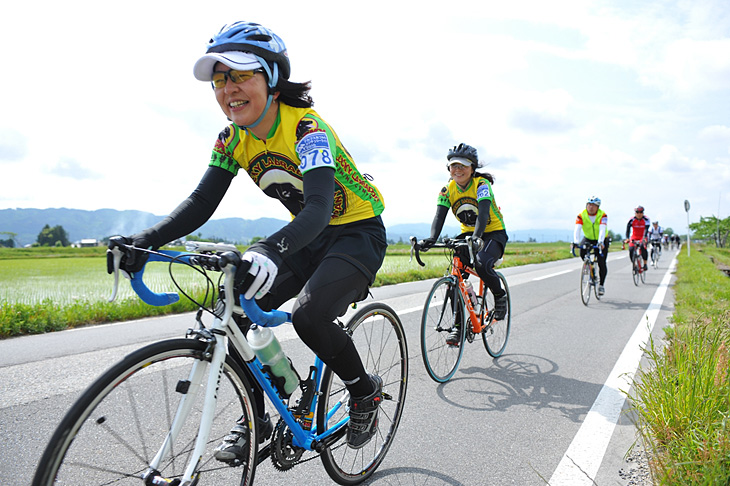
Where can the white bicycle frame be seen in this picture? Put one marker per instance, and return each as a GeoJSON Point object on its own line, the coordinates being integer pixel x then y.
{"type": "Point", "coordinates": [221, 329]}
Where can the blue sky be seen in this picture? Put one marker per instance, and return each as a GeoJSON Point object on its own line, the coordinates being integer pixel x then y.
{"type": "Point", "coordinates": [625, 100]}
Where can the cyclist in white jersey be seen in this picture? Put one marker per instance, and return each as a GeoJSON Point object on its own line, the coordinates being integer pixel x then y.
{"type": "Point", "coordinates": [656, 234]}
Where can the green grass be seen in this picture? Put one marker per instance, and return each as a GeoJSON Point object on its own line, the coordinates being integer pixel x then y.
{"type": "Point", "coordinates": [48, 289]}
{"type": "Point", "coordinates": [682, 399]}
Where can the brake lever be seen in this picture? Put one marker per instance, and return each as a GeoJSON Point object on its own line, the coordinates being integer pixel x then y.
{"type": "Point", "coordinates": [116, 258]}
{"type": "Point", "coordinates": [469, 240]}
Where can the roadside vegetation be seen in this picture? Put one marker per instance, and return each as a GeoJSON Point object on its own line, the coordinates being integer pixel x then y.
{"type": "Point", "coordinates": [46, 289]}
{"type": "Point", "coordinates": [682, 399]}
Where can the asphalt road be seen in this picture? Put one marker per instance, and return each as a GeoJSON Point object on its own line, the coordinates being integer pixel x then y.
{"type": "Point", "coordinates": [551, 409]}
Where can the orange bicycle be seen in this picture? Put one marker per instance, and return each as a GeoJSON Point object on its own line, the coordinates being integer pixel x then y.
{"type": "Point", "coordinates": [452, 304]}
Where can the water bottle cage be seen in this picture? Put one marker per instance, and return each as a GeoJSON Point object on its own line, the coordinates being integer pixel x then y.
{"type": "Point", "coordinates": [279, 381]}
{"type": "Point", "coordinates": [304, 404]}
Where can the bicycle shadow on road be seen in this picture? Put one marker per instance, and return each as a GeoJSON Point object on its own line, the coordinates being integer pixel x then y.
{"type": "Point", "coordinates": [609, 304]}
{"type": "Point", "coordinates": [410, 475]}
{"type": "Point", "coordinates": [519, 380]}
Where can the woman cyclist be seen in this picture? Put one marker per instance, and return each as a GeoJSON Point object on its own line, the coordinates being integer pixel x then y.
{"type": "Point", "coordinates": [470, 197]}
{"type": "Point", "coordinates": [329, 253]}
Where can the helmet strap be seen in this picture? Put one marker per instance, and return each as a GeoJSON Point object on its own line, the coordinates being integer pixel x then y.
{"type": "Point", "coordinates": [273, 79]}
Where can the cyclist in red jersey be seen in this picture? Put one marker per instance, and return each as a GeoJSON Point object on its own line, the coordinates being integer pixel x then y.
{"type": "Point", "coordinates": [637, 231]}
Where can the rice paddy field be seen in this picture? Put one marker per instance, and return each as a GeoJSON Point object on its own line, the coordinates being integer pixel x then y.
{"type": "Point", "coordinates": [46, 289]}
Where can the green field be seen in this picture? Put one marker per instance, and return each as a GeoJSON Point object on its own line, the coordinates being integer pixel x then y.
{"type": "Point", "coordinates": [45, 289]}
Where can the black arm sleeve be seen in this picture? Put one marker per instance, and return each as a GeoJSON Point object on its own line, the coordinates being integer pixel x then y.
{"type": "Point", "coordinates": [482, 216]}
{"type": "Point", "coordinates": [193, 212]}
{"type": "Point", "coordinates": [438, 221]}
{"type": "Point", "coordinates": [319, 190]}
{"type": "Point", "coordinates": [628, 230]}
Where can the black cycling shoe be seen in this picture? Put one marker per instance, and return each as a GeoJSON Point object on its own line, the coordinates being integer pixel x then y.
{"type": "Point", "coordinates": [364, 416]}
{"type": "Point", "coordinates": [454, 337]}
{"type": "Point", "coordinates": [500, 307]}
{"type": "Point", "coordinates": [231, 449]}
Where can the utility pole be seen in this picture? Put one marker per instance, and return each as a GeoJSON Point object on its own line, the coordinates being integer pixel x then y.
{"type": "Point", "coordinates": [686, 208]}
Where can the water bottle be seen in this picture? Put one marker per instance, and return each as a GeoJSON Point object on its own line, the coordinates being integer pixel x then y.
{"type": "Point", "coordinates": [472, 294]}
{"type": "Point", "coordinates": [276, 364]}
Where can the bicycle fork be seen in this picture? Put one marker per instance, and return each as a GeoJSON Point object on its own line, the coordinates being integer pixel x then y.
{"type": "Point", "coordinates": [189, 391]}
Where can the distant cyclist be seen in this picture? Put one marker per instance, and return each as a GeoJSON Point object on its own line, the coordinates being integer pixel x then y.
{"type": "Point", "coordinates": [656, 236]}
{"type": "Point", "coordinates": [470, 197]}
{"type": "Point", "coordinates": [591, 229]}
{"type": "Point", "coordinates": [636, 234]}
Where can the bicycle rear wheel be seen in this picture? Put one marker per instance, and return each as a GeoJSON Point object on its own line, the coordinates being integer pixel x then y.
{"type": "Point", "coordinates": [112, 432]}
{"type": "Point", "coordinates": [381, 342]}
{"type": "Point", "coordinates": [642, 271]}
{"type": "Point", "coordinates": [442, 314]}
{"type": "Point", "coordinates": [585, 283]}
{"type": "Point", "coordinates": [496, 333]}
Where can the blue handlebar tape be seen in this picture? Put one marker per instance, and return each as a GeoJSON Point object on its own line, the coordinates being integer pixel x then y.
{"type": "Point", "coordinates": [144, 292]}
{"type": "Point", "coordinates": [263, 318]}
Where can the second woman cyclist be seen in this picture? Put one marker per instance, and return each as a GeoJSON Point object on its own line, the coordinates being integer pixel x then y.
{"type": "Point", "coordinates": [329, 253]}
{"type": "Point", "coordinates": [470, 197]}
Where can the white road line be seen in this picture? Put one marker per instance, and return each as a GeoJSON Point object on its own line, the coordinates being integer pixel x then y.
{"type": "Point", "coordinates": [553, 274]}
{"type": "Point", "coordinates": [581, 461]}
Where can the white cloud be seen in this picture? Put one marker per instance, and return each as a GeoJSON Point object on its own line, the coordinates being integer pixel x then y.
{"type": "Point", "coordinates": [715, 133]}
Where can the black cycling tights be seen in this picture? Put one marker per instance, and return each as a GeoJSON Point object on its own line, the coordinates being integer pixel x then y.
{"type": "Point", "coordinates": [486, 257]}
{"type": "Point", "coordinates": [333, 286]}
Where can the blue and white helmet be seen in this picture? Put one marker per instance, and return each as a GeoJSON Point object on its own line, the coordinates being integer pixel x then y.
{"type": "Point", "coordinates": [594, 200]}
{"type": "Point", "coordinates": [259, 41]}
{"type": "Point", "coordinates": [244, 46]}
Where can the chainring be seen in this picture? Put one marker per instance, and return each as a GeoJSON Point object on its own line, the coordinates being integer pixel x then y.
{"type": "Point", "coordinates": [284, 454]}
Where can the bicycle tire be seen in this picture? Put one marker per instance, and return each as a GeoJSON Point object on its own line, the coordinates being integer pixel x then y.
{"type": "Point", "coordinates": [496, 334]}
{"type": "Point", "coordinates": [442, 313]}
{"type": "Point", "coordinates": [635, 270]}
{"type": "Point", "coordinates": [642, 275]}
{"type": "Point", "coordinates": [118, 424]}
{"type": "Point", "coordinates": [596, 281]}
{"type": "Point", "coordinates": [585, 283]}
{"type": "Point", "coordinates": [380, 340]}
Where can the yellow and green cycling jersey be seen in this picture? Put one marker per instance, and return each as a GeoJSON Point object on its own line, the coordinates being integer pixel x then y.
{"type": "Point", "coordinates": [464, 204]}
{"type": "Point", "coordinates": [298, 142]}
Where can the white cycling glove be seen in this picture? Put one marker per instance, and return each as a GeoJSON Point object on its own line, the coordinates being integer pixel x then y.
{"type": "Point", "coordinates": [264, 271]}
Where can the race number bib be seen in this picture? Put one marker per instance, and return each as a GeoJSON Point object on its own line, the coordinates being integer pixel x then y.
{"type": "Point", "coordinates": [314, 152]}
{"type": "Point", "coordinates": [483, 192]}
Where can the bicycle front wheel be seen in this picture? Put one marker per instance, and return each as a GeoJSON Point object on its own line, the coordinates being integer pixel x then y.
{"type": "Point", "coordinates": [596, 282]}
{"type": "Point", "coordinates": [443, 313]}
{"type": "Point", "coordinates": [635, 271]}
{"type": "Point", "coordinates": [585, 283]}
{"type": "Point", "coordinates": [642, 272]}
{"type": "Point", "coordinates": [496, 333]}
{"type": "Point", "coordinates": [380, 340]}
{"type": "Point", "coordinates": [111, 434]}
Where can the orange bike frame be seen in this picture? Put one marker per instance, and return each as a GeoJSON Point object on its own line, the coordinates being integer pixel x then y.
{"type": "Point", "coordinates": [457, 270]}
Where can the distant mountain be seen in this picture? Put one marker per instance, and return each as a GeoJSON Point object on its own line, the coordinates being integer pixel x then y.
{"type": "Point", "coordinates": [99, 224]}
